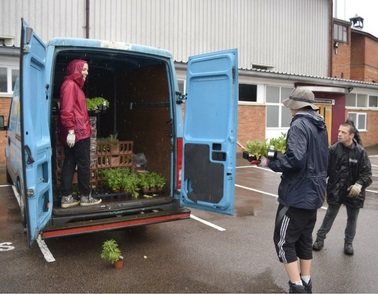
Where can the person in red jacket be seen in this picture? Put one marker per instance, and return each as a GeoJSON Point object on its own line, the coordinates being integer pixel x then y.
{"type": "Point", "coordinates": [75, 133]}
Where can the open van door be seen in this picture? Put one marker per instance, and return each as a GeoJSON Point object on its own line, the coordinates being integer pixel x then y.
{"type": "Point", "coordinates": [210, 132]}
{"type": "Point", "coordinates": [35, 132]}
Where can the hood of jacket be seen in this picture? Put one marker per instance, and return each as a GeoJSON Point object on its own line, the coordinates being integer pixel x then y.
{"type": "Point", "coordinates": [314, 117]}
{"type": "Point", "coordinates": [73, 72]}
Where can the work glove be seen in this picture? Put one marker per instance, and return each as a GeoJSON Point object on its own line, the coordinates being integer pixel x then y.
{"type": "Point", "coordinates": [71, 138]}
{"type": "Point", "coordinates": [263, 162]}
{"type": "Point", "coordinates": [354, 190]}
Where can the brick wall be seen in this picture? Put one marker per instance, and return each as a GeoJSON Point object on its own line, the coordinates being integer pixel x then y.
{"type": "Point", "coordinates": [251, 124]}
{"type": "Point", "coordinates": [364, 58]}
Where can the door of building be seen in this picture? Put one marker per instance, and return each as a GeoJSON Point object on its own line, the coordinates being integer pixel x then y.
{"type": "Point", "coordinates": [325, 110]}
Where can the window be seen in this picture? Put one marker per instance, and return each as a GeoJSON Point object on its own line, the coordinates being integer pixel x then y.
{"type": "Point", "coordinates": [373, 101]}
{"type": "Point", "coordinates": [359, 120]}
{"type": "Point", "coordinates": [278, 116]}
{"type": "Point", "coordinates": [181, 86]}
{"type": "Point", "coordinates": [247, 92]}
{"type": "Point", "coordinates": [8, 77]}
{"type": "Point", "coordinates": [361, 100]}
{"type": "Point", "coordinates": [340, 33]}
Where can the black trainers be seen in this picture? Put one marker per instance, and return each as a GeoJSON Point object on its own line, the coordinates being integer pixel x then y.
{"type": "Point", "coordinates": [89, 201]}
{"type": "Point", "coordinates": [293, 288]}
{"type": "Point", "coordinates": [68, 201]}
{"type": "Point", "coordinates": [307, 286]}
{"type": "Point", "coordinates": [318, 245]}
{"type": "Point", "coordinates": [348, 249]}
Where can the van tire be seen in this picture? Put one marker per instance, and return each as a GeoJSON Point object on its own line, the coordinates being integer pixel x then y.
{"type": "Point", "coordinates": [9, 178]}
{"type": "Point", "coordinates": [21, 192]}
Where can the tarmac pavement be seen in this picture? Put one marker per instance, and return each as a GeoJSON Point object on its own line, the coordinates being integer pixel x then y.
{"type": "Point", "coordinates": [189, 256]}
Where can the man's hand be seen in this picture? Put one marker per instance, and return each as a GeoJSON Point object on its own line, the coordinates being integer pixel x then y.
{"type": "Point", "coordinates": [71, 138]}
{"type": "Point", "coordinates": [354, 190]}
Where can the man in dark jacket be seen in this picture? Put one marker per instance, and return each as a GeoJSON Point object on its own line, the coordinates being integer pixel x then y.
{"type": "Point", "coordinates": [349, 173]}
{"type": "Point", "coordinates": [302, 188]}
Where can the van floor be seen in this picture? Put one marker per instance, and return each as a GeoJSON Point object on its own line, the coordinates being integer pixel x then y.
{"type": "Point", "coordinates": [114, 202]}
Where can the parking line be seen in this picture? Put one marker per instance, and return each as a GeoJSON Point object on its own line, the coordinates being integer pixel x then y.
{"type": "Point", "coordinates": [262, 192]}
{"type": "Point", "coordinates": [45, 250]}
{"type": "Point", "coordinates": [207, 223]}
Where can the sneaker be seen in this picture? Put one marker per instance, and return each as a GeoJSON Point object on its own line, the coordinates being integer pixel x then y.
{"type": "Point", "coordinates": [68, 201]}
{"type": "Point", "coordinates": [293, 288]}
{"type": "Point", "coordinates": [318, 245]}
{"type": "Point", "coordinates": [89, 201]}
{"type": "Point", "coordinates": [307, 286]}
{"type": "Point", "coordinates": [348, 249]}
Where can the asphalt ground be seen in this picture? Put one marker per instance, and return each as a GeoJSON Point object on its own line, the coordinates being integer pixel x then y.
{"type": "Point", "coordinates": [228, 254]}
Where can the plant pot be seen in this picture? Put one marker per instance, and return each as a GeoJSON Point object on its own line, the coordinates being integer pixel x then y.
{"type": "Point", "coordinates": [119, 263]}
{"type": "Point", "coordinates": [255, 161]}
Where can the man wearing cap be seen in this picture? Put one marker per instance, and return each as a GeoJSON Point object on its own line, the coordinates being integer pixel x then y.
{"type": "Point", "coordinates": [302, 189]}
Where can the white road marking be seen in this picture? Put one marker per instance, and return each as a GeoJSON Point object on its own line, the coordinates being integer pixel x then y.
{"type": "Point", "coordinates": [45, 250]}
{"type": "Point", "coordinates": [262, 192]}
{"type": "Point", "coordinates": [207, 223]}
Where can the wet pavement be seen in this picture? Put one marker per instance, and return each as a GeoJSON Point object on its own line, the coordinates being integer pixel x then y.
{"type": "Point", "coordinates": [189, 256]}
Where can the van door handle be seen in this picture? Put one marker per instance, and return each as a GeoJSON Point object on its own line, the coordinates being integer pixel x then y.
{"type": "Point", "coordinates": [30, 157]}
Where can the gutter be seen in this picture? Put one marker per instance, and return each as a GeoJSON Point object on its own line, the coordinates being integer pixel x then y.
{"type": "Point", "coordinates": [313, 80]}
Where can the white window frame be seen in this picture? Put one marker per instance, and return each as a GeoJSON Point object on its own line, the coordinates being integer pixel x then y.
{"type": "Point", "coordinates": [356, 116]}
{"type": "Point", "coordinates": [10, 81]}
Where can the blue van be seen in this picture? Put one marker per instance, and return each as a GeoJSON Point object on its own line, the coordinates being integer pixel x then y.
{"type": "Point", "coordinates": [189, 139]}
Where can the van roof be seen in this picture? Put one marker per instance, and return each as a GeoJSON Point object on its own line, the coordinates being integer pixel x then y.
{"type": "Point", "coordinates": [80, 42]}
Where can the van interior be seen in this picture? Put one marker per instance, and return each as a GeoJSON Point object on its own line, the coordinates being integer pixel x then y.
{"type": "Point", "coordinates": [138, 88]}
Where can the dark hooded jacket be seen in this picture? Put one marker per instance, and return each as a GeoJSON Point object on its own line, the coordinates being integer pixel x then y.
{"type": "Point", "coordinates": [347, 165]}
{"type": "Point", "coordinates": [73, 104]}
{"type": "Point", "coordinates": [304, 164]}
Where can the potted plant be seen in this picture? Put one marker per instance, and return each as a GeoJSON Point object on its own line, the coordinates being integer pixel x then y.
{"type": "Point", "coordinates": [111, 252]}
{"type": "Point", "coordinates": [279, 143]}
{"type": "Point", "coordinates": [97, 104]}
{"type": "Point", "coordinates": [256, 148]}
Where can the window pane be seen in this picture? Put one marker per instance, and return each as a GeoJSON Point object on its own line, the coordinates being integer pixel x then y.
{"type": "Point", "coordinates": [14, 77]}
{"type": "Point", "coordinates": [351, 100]}
{"type": "Point", "coordinates": [272, 116]}
{"type": "Point", "coordinates": [272, 95]}
{"type": "Point", "coordinates": [285, 93]}
{"type": "Point", "coordinates": [247, 92]}
{"type": "Point", "coordinates": [344, 37]}
{"type": "Point", "coordinates": [361, 100]}
{"type": "Point", "coordinates": [352, 116]}
{"type": "Point", "coordinates": [373, 101]}
{"type": "Point", "coordinates": [286, 117]}
{"type": "Point", "coordinates": [3, 80]}
{"type": "Point", "coordinates": [361, 123]}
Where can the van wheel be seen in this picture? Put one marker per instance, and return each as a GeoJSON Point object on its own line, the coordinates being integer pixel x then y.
{"type": "Point", "coordinates": [9, 179]}
{"type": "Point", "coordinates": [20, 190]}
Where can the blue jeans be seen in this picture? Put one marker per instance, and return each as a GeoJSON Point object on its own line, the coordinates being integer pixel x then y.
{"type": "Point", "coordinates": [78, 155]}
{"type": "Point", "coordinates": [332, 211]}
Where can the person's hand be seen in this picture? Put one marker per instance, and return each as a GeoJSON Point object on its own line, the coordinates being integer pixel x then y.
{"type": "Point", "coordinates": [264, 162]}
{"type": "Point", "coordinates": [71, 139]}
{"type": "Point", "coordinates": [354, 190]}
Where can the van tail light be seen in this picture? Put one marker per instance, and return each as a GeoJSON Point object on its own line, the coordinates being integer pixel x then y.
{"type": "Point", "coordinates": [179, 162]}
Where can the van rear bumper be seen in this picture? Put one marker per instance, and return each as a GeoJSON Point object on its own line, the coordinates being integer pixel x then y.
{"type": "Point", "coordinates": [169, 213]}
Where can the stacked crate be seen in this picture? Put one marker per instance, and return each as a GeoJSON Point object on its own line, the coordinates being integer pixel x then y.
{"type": "Point", "coordinates": [110, 155]}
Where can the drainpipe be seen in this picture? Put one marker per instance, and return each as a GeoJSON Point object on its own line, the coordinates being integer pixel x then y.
{"type": "Point", "coordinates": [87, 19]}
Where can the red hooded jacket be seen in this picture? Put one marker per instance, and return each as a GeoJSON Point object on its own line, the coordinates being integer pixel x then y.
{"type": "Point", "coordinates": [73, 104]}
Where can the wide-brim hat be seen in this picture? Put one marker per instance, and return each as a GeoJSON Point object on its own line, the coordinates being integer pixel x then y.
{"type": "Point", "coordinates": [299, 98]}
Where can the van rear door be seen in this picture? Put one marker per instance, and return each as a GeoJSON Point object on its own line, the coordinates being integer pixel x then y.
{"type": "Point", "coordinates": [35, 132]}
{"type": "Point", "coordinates": [210, 132]}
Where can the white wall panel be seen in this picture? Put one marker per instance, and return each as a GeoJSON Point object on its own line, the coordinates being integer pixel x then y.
{"type": "Point", "coordinates": [289, 35]}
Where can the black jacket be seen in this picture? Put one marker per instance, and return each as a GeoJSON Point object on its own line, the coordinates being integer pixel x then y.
{"type": "Point", "coordinates": [304, 164]}
{"type": "Point", "coordinates": [347, 165]}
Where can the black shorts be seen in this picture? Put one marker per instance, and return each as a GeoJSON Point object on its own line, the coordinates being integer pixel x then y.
{"type": "Point", "coordinates": [293, 233]}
